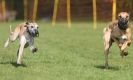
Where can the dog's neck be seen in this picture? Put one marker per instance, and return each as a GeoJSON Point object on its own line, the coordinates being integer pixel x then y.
{"type": "Point", "coordinates": [122, 26]}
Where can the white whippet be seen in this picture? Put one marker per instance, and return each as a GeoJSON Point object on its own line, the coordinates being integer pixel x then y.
{"type": "Point", "coordinates": [26, 32]}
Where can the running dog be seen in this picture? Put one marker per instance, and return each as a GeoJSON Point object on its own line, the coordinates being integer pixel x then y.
{"type": "Point", "coordinates": [26, 32]}
{"type": "Point", "coordinates": [119, 32]}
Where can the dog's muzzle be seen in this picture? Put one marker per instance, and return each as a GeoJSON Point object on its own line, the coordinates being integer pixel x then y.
{"type": "Point", "coordinates": [34, 33]}
{"type": "Point", "coordinates": [123, 24]}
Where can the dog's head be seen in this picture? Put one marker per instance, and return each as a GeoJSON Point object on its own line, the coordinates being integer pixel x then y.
{"type": "Point", "coordinates": [32, 29]}
{"type": "Point", "coordinates": [123, 19]}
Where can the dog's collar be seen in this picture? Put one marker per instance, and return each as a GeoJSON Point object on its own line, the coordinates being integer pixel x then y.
{"type": "Point", "coordinates": [122, 26]}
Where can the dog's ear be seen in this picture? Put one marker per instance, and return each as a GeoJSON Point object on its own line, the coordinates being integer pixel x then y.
{"type": "Point", "coordinates": [128, 13]}
{"type": "Point", "coordinates": [119, 15]}
{"type": "Point", "coordinates": [27, 23]}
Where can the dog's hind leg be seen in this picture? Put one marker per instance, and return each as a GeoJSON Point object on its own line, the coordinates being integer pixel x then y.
{"type": "Point", "coordinates": [12, 36]}
{"type": "Point", "coordinates": [8, 40]}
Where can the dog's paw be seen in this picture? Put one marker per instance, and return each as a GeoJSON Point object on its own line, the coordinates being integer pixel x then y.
{"type": "Point", "coordinates": [34, 50]}
{"type": "Point", "coordinates": [18, 62]}
{"type": "Point", "coordinates": [125, 53]}
{"type": "Point", "coordinates": [129, 44]}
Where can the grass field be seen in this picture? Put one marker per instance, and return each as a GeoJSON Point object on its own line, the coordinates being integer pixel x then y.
{"type": "Point", "coordinates": [74, 53]}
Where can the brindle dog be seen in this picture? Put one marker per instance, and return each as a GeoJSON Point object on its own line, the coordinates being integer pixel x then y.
{"type": "Point", "coordinates": [118, 31]}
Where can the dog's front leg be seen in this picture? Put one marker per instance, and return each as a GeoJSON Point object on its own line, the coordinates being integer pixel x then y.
{"type": "Point", "coordinates": [32, 48]}
{"type": "Point", "coordinates": [107, 44]}
{"type": "Point", "coordinates": [123, 47]}
{"type": "Point", "coordinates": [21, 47]}
{"type": "Point", "coordinates": [126, 43]}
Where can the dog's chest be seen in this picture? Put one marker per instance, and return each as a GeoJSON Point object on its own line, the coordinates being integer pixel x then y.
{"type": "Point", "coordinates": [28, 37]}
{"type": "Point", "coordinates": [116, 32]}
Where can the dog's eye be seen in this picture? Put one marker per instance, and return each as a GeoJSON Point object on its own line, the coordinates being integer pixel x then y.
{"type": "Point", "coordinates": [126, 16]}
{"type": "Point", "coordinates": [31, 26]}
{"type": "Point", "coordinates": [119, 16]}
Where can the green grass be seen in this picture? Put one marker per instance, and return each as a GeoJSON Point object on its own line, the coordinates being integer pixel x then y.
{"type": "Point", "coordinates": [74, 53]}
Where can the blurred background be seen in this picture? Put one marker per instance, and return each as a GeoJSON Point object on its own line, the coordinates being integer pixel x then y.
{"type": "Point", "coordinates": [80, 10]}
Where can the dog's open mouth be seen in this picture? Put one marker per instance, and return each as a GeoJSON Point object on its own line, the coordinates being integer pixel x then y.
{"type": "Point", "coordinates": [36, 34]}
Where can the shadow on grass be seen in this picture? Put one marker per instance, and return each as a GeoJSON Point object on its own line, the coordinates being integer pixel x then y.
{"type": "Point", "coordinates": [114, 68]}
{"type": "Point", "coordinates": [18, 65]}
{"type": "Point", "coordinates": [14, 64]}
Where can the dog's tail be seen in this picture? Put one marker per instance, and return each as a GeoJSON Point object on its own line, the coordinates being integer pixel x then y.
{"type": "Point", "coordinates": [7, 42]}
{"type": "Point", "coordinates": [11, 29]}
